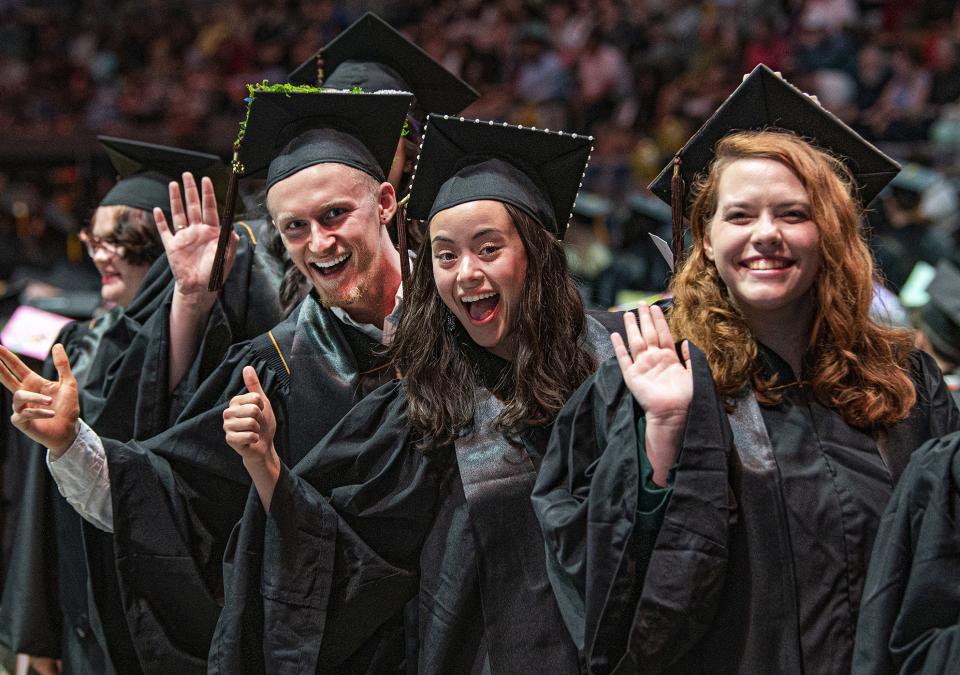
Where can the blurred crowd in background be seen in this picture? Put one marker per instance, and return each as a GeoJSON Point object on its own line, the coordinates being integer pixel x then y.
{"type": "Point", "coordinates": [639, 75]}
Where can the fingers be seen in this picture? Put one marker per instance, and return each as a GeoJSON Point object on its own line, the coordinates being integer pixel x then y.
{"type": "Point", "coordinates": [661, 326]}
{"type": "Point", "coordinates": [176, 207]}
{"type": "Point", "coordinates": [685, 350]}
{"type": "Point", "coordinates": [210, 215]}
{"type": "Point", "coordinates": [7, 378]}
{"type": "Point", "coordinates": [647, 330]}
{"type": "Point", "coordinates": [634, 338]}
{"type": "Point", "coordinates": [243, 411]}
{"type": "Point", "coordinates": [163, 227]}
{"type": "Point", "coordinates": [62, 364]}
{"type": "Point", "coordinates": [192, 196]}
{"type": "Point", "coordinates": [16, 368]}
{"type": "Point", "coordinates": [620, 349]}
{"type": "Point", "coordinates": [252, 381]}
{"type": "Point", "coordinates": [22, 399]}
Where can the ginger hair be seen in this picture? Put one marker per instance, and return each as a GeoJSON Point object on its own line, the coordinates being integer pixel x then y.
{"type": "Point", "coordinates": [853, 364]}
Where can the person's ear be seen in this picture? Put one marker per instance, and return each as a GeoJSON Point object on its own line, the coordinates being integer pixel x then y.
{"type": "Point", "coordinates": [386, 202]}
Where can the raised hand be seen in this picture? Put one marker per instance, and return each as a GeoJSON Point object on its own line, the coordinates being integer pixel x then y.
{"type": "Point", "coordinates": [660, 382]}
{"type": "Point", "coordinates": [192, 242]}
{"type": "Point", "coordinates": [48, 412]}
{"type": "Point", "coordinates": [250, 426]}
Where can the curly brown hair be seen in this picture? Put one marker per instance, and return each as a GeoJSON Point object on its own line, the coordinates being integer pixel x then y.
{"type": "Point", "coordinates": [135, 233]}
{"type": "Point", "coordinates": [854, 365]}
{"type": "Point", "coordinates": [549, 364]}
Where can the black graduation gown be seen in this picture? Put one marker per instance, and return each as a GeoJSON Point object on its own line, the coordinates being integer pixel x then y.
{"type": "Point", "coordinates": [910, 618]}
{"type": "Point", "coordinates": [759, 557]}
{"type": "Point", "coordinates": [368, 521]}
{"type": "Point", "coordinates": [177, 496]}
{"type": "Point", "coordinates": [121, 365]}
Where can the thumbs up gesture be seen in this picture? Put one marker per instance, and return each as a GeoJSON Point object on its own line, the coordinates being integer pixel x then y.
{"type": "Point", "coordinates": [248, 422]}
{"type": "Point", "coordinates": [46, 411]}
{"type": "Point", "coordinates": [249, 425]}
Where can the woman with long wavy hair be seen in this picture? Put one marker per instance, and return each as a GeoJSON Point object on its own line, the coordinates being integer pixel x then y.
{"type": "Point", "coordinates": [718, 515]}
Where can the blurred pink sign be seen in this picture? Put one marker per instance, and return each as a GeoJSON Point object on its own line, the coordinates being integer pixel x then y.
{"type": "Point", "coordinates": [32, 332]}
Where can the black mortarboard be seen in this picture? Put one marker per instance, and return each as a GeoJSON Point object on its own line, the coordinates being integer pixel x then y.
{"type": "Point", "coordinates": [359, 130]}
{"type": "Point", "coordinates": [290, 128]}
{"type": "Point", "coordinates": [940, 317]}
{"type": "Point", "coordinates": [146, 169]}
{"type": "Point", "coordinates": [372, 55]}
{"type": "Point", "coordinates": [539, 171]}
{"type": "Point", "coordinates": [764, 100]}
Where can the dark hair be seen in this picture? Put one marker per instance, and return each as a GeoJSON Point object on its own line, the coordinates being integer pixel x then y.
{"type": "Point", "coordinates": [549, 364]}
{"type": "Point", "coordinates": [135, 232]}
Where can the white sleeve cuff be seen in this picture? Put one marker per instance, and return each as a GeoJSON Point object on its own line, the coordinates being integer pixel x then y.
{"type": "Point", "coordinates": [83, 478]}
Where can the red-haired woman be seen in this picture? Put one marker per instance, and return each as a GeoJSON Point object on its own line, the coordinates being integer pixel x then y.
{"type": "Point", "coordinates": [725, 524]}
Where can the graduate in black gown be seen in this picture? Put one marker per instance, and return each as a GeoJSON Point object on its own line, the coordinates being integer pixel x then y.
{"type": "Point", "coordinates": [171, 500]}
{"type": "Point", "coordinates": [733, 533]}
{"type": "Point", "coordinates": [44, 609]}
{"type": "Point", "coordinates": [910, 620]}
{"type": "Point", "coordinates": [422, 491]}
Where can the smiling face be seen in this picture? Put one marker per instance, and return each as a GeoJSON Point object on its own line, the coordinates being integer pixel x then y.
{"type": "Point", "coordinates": [480, 266]}
{"type": "Point", "coordinates": [762, 239]}
{"type": "Point", "coordinates": [331, 217]}
{"type": "Point", "coordinates": [120, 280]}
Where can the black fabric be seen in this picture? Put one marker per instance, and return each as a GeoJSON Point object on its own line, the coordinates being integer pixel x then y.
{"type": "Point", "coordinates": [499, 180]}
{"type": "Point", "coordinates": [764, 100]}
{"type": "Point", "coordinates": [372, 55]}
{"type": "Point", "coordinates": [145, 170]}
{"type": "Point", "coordinates": [910, 620]}
{"type": "Point", "coordinates": [322, 146]}
{"type": "Point", "coordinates": [460, 160]}
{"type": "Point", "coordinates": [177, 496]}
{"type": "Point", "coordinates": [142, 191]}
{"type": "Point", "coordinates": [368, 521]}
{"type": "Point", "coordinates": [359, 130]}
{"type": "Point", "coordinates": [714, 592]}
{"type": "Point", "coordinates": [121, 365]}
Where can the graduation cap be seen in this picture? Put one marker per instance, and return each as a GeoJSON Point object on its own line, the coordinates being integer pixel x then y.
{"type": "Point", "coordinates": [764, 100]}
{"type": "Point", "coordinates": [940, 317]}
{"type": "Point", "coordinates": [374, 56]}
{"type": "Point", "coordinates": [539, 171]}
{"type": "Point", "coordinates": [146, 169]}
{"type": "Point", "coordinates": [290, 128]}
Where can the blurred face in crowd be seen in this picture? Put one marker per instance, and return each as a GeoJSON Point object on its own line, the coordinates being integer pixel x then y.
{"type": "Point", "coordinates": [762, 238]}
{"type": "Point", "coordinates": [331, 218]}
{"type": "Point", "coordinates": [120, 279]}
{"type": "Point", "coordinates": [479, 266]}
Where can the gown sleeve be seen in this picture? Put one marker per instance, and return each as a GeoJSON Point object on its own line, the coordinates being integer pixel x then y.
{"type": "Point", "coordinates": [176, 497]}
{"type": "Point", "coordinates": [340, 546]}
{"type": "Point", "coordinates": [602, 520]}
{"type": "Point", "coordinates": [910, 615]}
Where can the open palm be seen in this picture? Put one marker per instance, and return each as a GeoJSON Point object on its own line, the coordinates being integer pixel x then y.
{"type": "Point", "coordinates": [660, 382]}
{"type": "Point", "coordinates": [46, 411]}
{"type": "Point", "coordinates": [191, 244]}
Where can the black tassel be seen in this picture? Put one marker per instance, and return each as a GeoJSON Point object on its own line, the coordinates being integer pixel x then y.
{"type": "Point", "coordinates": [226, 227]}
{"type": "Point", "coordinates": [677, 199]}
{"type": "Point", "coordinates": [401, 220]}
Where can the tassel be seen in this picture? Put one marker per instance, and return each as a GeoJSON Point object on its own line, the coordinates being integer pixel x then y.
{"type": "Point", "coordinates": [677, 199]}
{"type": "Point", "coordinates": [226, 227]}
{"type": "Point", "coordinates": [401, 220]}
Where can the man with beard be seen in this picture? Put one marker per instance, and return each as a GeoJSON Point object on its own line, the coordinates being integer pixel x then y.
{"type": "Point", "coordinates": [171, 501]}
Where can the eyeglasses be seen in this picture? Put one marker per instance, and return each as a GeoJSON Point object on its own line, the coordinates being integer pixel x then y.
{"type": "Point", "coordinates": [94, 244]}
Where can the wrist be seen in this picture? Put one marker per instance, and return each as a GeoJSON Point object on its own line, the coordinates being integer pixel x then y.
{"type": "Point", "coordinates": [199, 299]}
{"type": "Point", "coordinates": [57, 450]}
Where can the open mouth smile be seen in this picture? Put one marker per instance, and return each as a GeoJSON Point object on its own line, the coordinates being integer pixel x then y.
{"type": "Point", "coordinates": [329, 268]}
{"type": "Point", "coordinates": [482, 306]}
